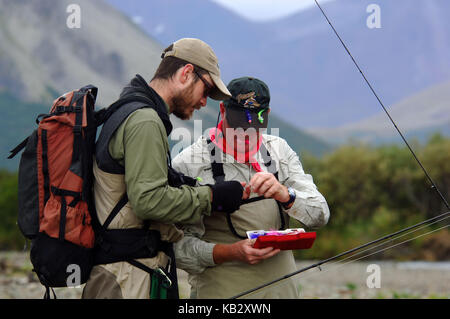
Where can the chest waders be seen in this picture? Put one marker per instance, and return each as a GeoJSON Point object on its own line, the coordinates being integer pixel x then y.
{"type": "Point", "coordinates": [219, 176]}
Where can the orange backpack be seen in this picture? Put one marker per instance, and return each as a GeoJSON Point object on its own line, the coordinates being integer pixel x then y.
{"type": "Point", "coordinates": [56, 209]}
{"type": "Point", "coordinates": [56, 206]}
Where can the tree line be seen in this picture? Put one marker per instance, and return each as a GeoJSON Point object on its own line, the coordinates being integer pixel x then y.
{"type": "Point", "coordinates": [373, 191]}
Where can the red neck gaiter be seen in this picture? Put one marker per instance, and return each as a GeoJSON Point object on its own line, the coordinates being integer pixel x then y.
{"type": "Point", "coordinates": [247, 157]}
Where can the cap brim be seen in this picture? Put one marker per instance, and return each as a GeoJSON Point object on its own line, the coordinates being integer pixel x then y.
{"type": "Point", "coordinates": [220, 91]}
{"type": "Point", "coordinates": [237, 118]}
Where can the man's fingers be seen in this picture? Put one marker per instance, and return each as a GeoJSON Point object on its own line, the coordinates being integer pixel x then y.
{"type": "Point", "coordinates": [257, 181]}
{"type": "Point", "coordinates": [272, 253]}
{"type": "Point", "coordinates": [263, 254]}
{"type": "Point", "coordinates": [256, 255]}
{"type": "Point", "coordinates": [247, 192]}
{"type": "Point", "coordinates": [265, 186]}
{"type": "Point", "coordinates": [271, 191]}
{"type": "Point", "coordinates": [259, 252]}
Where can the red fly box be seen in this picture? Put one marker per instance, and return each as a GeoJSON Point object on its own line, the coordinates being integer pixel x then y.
{"type": "Point", "coordinates": [286, 242]}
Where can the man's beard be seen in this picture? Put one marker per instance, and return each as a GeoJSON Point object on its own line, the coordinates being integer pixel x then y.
{"type": "Point", "coordinates": [182, 103]}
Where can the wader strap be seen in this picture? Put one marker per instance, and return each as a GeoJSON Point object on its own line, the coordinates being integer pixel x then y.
{"type": "Point", "coordinates": [219, 176]}
{"type": "Point", "coordinates": [122, 202]}
{"type": "Point", "coordinates": [217, 167]}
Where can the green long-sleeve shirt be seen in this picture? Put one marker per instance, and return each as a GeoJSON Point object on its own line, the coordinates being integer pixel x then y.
{"type": "Point", "coordinates": [140, 144]}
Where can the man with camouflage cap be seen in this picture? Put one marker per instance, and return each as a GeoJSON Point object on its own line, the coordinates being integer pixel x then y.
{"type": "Point", "coordinates": [138, 195]}
{"type": "Point", "coordinates": [221, 263]}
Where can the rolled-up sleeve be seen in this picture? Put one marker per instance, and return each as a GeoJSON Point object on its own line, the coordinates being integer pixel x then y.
{"type": "Point", "coordinates": [192, 253]}
{"type": "Point", "coordinates": [309, 207]}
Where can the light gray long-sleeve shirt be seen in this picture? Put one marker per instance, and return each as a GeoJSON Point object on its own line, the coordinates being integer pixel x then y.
{"type": "Point", "coordinates": [310, 208]}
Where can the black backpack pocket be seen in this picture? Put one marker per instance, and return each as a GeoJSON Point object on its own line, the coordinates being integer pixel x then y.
{"type": "Point", "coordinates": [28, 193]}
{"type": "Point", "coordinates": [60, 263]}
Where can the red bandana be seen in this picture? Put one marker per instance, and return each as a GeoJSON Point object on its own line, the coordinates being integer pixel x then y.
{"type": "Point", "coordinates": [247, 157]}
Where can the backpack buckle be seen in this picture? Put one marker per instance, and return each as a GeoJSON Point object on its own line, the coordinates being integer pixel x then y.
{"type": "Point", "coordinates": [60, 109]}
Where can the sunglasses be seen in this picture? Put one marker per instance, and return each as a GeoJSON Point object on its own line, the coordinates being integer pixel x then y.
{"type": "Point", "coordinates": [208, 86]}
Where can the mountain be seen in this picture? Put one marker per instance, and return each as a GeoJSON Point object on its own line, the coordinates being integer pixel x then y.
{"type": "Point", "coordinates": [313, 81]}
{"type": "Point", "coordinates": [419, 115]}
{"type": "Point", "coordinates": [41, 58]}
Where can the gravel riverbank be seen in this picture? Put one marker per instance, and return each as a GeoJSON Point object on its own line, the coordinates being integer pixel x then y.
{"type": "Point", "coordinates": [396, 280]}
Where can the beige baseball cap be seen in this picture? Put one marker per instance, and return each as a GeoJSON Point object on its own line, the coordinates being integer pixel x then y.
{"type": "Point", "coordinates": [197, 52]}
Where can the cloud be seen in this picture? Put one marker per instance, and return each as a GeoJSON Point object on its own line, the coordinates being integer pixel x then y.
{"type": "Point", "coordinates": [137, 19]}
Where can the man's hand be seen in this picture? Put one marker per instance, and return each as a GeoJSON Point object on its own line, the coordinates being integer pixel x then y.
{"type": "Point", "coordinates": [247, 191]}
{"type": "Point", "coordinates": [267, 185]}
{"type": "Point", "coordinates": [242, 251]}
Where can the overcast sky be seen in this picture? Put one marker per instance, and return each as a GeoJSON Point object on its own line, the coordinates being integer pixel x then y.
{"type": "Point", "coordinates": [261, 10]}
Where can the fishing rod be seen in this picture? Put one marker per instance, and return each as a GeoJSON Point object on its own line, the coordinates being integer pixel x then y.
{"type": "Point", "coordinates": [433, 184]}
{"type": "Point", "coordinates": [318, 264]}
{"type": "Point", "coordinates": [338, 264]}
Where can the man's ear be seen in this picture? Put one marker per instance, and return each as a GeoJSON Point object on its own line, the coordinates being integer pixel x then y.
{"type": "Point", "coordinates": [184, 73]}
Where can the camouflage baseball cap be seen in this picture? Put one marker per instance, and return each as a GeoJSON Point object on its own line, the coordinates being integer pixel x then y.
{"type": "Point", "coordinates": [197, 52]}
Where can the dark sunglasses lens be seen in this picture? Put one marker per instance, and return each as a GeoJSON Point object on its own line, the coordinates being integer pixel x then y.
{"type": "Point", "coordinates": [208, 86]}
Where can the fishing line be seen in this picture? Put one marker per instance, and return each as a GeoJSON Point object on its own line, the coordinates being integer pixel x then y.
{"type": "Point", "coordinates": [388, 241]}
{"type": "Point", "coordinates": [336, 267]}
{"type": "Point", "coordinates": [433, 185]}
{"type": "Point", "coordinates": [436, 218]}
{"type": "Point", "coordinates": [337, 264]}
{"type": "Point", "coordinates": [340, 264]}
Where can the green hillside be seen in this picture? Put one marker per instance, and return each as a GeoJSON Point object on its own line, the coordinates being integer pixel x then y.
{"type": "Point", "coordinates": [16, 123]}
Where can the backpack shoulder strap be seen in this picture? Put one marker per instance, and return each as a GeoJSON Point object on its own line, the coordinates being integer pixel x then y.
{"type": "Point", "coordinates": [18, 148]}
{"type": "Point", "coordinates": [112, 120]}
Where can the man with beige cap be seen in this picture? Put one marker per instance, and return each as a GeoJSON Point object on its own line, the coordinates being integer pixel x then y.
{"type": "Point", "coordinates": [138, 195]}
